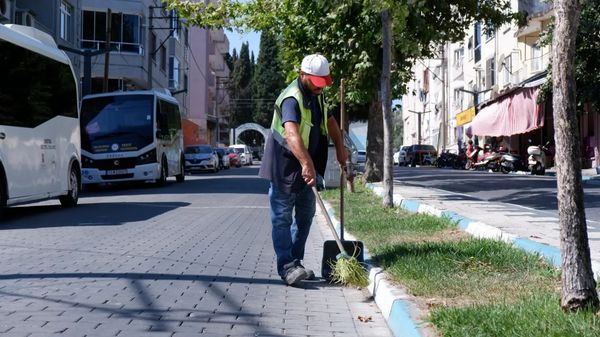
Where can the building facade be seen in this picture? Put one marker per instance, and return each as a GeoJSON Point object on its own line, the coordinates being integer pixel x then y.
{"type": "Point", "coordinates": [150, 47]}
{"type": "Point", "coordinates": [477, 87]}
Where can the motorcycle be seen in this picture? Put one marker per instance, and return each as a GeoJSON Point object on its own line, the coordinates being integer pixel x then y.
{"type": "Point", "coordinates": [510, 163]}
{"type": "Point", "coordinates": [447, 159]}
{"type": "Point", "coordinates": [536, 162]}
{"type": "Point", "coordinates": [473, 157]}
{"type": "Point", "coordinates": [490, 160]}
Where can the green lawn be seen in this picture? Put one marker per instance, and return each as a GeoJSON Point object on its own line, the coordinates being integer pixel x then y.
{"type": "Point", "coordinates": [474, 287]}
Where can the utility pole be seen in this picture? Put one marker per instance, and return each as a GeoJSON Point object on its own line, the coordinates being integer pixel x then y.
{"type": "Point", "coordinates": [444, 105]}
{"type": "Point", "coordinates": [87, 66]}
{"type": "Point", "coordinates": [419, 113]}
{"type": "Point", "coordinates": [107, 47]}
{"type": "Point", "coordinates": [150, 46]}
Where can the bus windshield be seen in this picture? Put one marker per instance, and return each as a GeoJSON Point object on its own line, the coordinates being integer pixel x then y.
{"type": "Point", "coordinates": [117, 123]}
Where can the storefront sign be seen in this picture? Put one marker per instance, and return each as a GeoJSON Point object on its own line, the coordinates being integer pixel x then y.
{"type": "Point", "coordinates": [465, 117]}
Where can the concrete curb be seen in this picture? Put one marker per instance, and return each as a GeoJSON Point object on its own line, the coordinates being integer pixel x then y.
{"type": "Point", "coordinates": [393, 302]}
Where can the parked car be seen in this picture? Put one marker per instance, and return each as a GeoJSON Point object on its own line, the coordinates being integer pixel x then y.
{"type": "Point", "coordinates": [234, 158]}
{"type": "Point", "coordinates": [416, 154]}
{"type": "Point", "coordinates": [244, 152]}
{"type": "Point", "coordinates": [362, 157]}
{"type": "Point", "coordinates": [400, 156]}
{"type": "Point", "coordinates": [223, 158]}
{"type": "Point", "coordinates": [201, 157]}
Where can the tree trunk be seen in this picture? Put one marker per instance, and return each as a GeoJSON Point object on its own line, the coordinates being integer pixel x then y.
{"type": "Point", "coordinates": [578, 285]}
{"type": "Point", "coordinates": [374, 163]}
{"type": "Point", "coordinates": [386, 107]}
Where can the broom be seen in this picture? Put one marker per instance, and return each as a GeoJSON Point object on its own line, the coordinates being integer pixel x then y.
{"type": "Point", "coordinates": [346, 269]}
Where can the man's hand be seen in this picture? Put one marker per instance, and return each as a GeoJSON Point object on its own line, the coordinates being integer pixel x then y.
{"type": "Point", "coordinates": [309, 175]}
{"type": "Point", "coordinates": [342, 156]}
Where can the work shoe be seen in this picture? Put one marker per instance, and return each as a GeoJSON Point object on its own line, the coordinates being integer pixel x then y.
{"type": "Point", "coordinates": [295, 274]}
{"type": "Point", "coordinates": [310, 274]}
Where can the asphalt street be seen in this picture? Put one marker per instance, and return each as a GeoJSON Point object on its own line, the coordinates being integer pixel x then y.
{"type": "Point", "coordinates": [182, 260]}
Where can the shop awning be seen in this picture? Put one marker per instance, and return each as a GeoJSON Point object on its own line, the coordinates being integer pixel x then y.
{"type": "Point", "coordinates": [515, 113]}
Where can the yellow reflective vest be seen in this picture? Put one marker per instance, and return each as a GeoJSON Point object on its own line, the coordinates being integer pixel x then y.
{"type": "Point", "coordinates": [305, 114]}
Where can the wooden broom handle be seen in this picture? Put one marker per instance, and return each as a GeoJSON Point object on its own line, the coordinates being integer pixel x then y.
{"type": "Point", "coordinates": [331, 226]}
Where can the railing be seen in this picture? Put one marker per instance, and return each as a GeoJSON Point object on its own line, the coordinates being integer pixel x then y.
{"type": "Point", "coordinates": [121, 47]}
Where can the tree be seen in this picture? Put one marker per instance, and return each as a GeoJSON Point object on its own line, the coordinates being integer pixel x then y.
{"type": "Point", "coordinates": [241, 88]}
{"type": "Point", "coordinates": [578, 285]}
{"type": "Point", "coordinates": [386, 106]}
{"type": "Point", "coordinates": [268, 79]}
{"type": "Point", "coordinates": [350, 31]}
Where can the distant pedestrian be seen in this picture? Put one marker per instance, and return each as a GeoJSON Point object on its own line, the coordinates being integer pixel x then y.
{"type": "Point", "coordinates": [295, 153]}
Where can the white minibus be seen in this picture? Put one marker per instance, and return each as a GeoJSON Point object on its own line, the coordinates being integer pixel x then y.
{"type": "Point", "coordinates": [39, 125]}
{"type": "Point", "coordinates": [131, 136]}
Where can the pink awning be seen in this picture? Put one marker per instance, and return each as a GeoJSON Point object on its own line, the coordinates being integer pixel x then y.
{"type": "Point", "coordinates": [509, 115]}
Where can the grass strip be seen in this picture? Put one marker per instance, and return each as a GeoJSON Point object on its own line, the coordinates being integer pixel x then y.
{"type": "Point", "coordinates": [474, 287]}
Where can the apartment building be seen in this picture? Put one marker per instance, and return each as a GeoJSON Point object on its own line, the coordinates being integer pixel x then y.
{"type": "Point", "coordinates": [150, 48]}
{"type": "Point", "coordinates": [488, 83]}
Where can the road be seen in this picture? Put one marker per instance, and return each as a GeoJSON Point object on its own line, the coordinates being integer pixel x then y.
{"type": "Point", "coordinates": [531, 192]}
{"type": "Point", "coordinates": [182, 260]}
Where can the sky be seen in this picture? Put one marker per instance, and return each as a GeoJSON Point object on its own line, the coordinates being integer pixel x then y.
{"type": "Point", "coordinates": [236, 40]}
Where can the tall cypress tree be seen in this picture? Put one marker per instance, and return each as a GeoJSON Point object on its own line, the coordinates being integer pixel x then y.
{"type": "Point", "coordinates": [241, 88]}
{"type": "Point", "coordinates": [268, 79]}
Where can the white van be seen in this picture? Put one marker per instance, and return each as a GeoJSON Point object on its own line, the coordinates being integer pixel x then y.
{"type": "Point", "coordinates": [39, 119]}
{"type": "Point", "coordinates": [243, 152]}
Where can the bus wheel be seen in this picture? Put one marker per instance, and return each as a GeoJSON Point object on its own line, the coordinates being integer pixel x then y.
{"type": "Point", "coordinates": [163, 173]}
{"type": "Point", "coordinates": [72, 196]}
{"type": "Point", "coordinates": [181, 176]}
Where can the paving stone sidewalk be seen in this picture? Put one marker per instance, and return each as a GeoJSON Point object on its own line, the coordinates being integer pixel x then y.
{"type": "Point", "coordinates": [165, 265]}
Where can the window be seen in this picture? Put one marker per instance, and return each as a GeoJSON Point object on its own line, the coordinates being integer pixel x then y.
{"type": "Point", "coordinates": [470, 47]}
{"type": "Point", "coordinates": [186, 36]}
{"type": "Point", "coordinates": [125, 31]}
{"type": "Point", "coordinates": [173, 72]}
{"type": "Point", "coordinates": [477, 42]}
{"type": "Point", "coordinates": [536, 57]}
{"type": "Point", "coordinates": [174, 24]}
{"type": "Point", "coordinates": [458, 98]}
{"type": "Point", "coordinates": [490, 73]}
{"type": "Point", "coordinates": [168, 119]}
{"type": "Point", "coordinates": [163, 58]}
{"type": "Point", "coordinates": [507, 69]}
{"type": "Point", "coordinates": [66, 21]}
{"type": "Point", "coordinates": [490, 32]}
{"type": "Point", "coordinates": [36, 89]}
{"type": "Point", "coordinates": [458, 57]}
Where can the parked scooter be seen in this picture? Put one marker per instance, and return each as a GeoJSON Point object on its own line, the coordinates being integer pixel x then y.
{"type": "Point", "coordinates": [510, 162]}
{"type": "Point", "coordinates": [490, 160]}
{"type": "Point", "coordinates": [473, 157]}
{"type": "Point", "coordinates": [536, 163]}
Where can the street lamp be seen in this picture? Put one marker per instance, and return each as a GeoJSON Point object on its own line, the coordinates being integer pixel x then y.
{"type": "Point", "coordinates": [423, 99]}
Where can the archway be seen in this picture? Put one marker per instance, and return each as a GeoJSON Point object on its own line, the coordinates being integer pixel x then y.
{"type": "Point", "coordinates": [235, 133]}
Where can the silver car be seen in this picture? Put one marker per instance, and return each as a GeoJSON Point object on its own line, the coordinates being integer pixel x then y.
{"type": "Point", "coordinates": [200, 157]}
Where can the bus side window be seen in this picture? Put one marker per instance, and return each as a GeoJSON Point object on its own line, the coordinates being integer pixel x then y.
{"type": "Point", "coordinates": [174, 120]}
{"type": "Point", "coordinates": [162, 119]}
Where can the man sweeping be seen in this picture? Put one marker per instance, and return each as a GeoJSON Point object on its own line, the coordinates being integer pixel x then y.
{"type": "Point", "coordinates": [295, 155]}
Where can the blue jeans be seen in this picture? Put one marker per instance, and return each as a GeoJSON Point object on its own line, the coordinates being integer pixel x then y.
{"type": "Point", "coordinates": [290, 231]}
